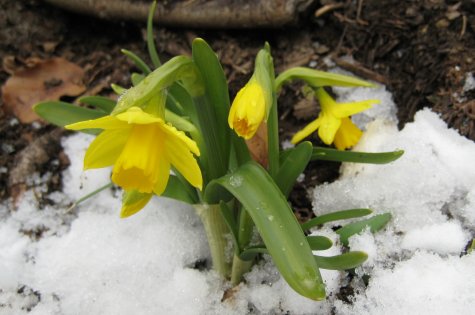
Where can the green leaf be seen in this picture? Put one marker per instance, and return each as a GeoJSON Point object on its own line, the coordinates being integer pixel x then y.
{"type": "Point", "coordinates": [318, 242]}
{"type": "Point", "coordinates": [335, 216]}
{"type": "Point", "coordinates": [278, 227]}
{"type": "Point", "coordinates": [375, 224]}
{"type": "Point", "coordinates": [104, 103]}
{"type": "Point", "coordinates": [342, 262]}
{"type": "Point", "coordinates": [137, 61]}
{"type": "Point", "coordinates": [231, 223]}
{"type": "Point", "coordinates": [250, 252]}
{"type": "Point", "coordinates": [292, 166]}
{"type": "Point", "coordinates": [212, 109]}
{"type": "Point", "coordinates": [328, 154]}
{"type": "Point", "coordinates": [317, 78]}
{"type": "Point", "coordinates": [152, 50]}
{"type": "Point", "coordinates": [471, 248]}
{"type": "Point", "coordinates": [119, 90]}
{"type": "Point", "coordinates": [136, 78]}
{"type": "Point", "coordinates": [175, 69]}
{"type": "Point", "coordinates": [315, 243]}
{"type": "Point", "coordinates": [62, 114]}
{"type": "Point", "coordinates": [176, 190]}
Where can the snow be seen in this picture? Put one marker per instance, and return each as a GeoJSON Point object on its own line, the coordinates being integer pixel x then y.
{"type": "Point", "coordinates": [88, 261]}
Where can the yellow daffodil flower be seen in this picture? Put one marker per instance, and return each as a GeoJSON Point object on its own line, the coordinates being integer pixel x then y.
{"type": "Point", "coordinates": [141, 147]}
{"type": "Point", "coordinates": [248, 110]}
{"type": "Point", "coordinates": [333, 123]}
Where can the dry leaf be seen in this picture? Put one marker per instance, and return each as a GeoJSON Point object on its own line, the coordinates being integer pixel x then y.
{"type": "Point", "coordinates": [44, 80]}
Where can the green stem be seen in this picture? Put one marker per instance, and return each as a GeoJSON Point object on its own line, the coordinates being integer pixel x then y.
{"type": "Point", "coordinates": [216, 231]}
{"type": "Point", "coordinates": [95, 192]}
{"type": "Point", "coordinates": [240, 267]}
{"type": "Point", "coordinates": [273, 140]}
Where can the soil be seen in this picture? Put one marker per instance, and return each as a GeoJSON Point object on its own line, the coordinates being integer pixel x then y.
{"type": "Point", "coordinates": [421, 50]}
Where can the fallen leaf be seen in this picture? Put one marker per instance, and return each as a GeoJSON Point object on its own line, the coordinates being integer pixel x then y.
{"type": "Point", "coordinates": [46, 80]}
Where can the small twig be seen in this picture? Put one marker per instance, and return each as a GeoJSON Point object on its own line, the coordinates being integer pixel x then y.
{"type": "Point", "coordinates": [464, 26]}
{"type": "Point", "coordinates": [361, 71]}
{"type": "Point", "coordinates": [328, 8]}
{"type": "Point", "coordinates": [358, 9]}
{"type": "Point", "coordinates": [342, 38]}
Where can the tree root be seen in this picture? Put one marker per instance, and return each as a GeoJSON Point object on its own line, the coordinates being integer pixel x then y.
{"type": "Point", "coordinates": [197, 13]}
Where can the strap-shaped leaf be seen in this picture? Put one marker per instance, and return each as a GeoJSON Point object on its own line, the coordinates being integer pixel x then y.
{"type": "Point", "coordinates": [335, 216]}
{"type": "Point", "coordinates": [328, 154]}
{"type": "Point", "coordinates": [119, 90]}
{"type": "Point", "coordinates": [137, 60]}
{"type": "Point", "coordinates": [344, 261]}
{"type": "Point", "coordinates": [104, 103]}
{"type": "Point", "coordinates": [316, 242]}
{"type": "Point", "coordinates": [152, 50]}
{"type": "Point", "coordinates": [278, 227]}
{"type": "Point", "coordinates": [316, 78]}
{"type": "Point", "coordinates": [293, 165]}
{"type": "Point", "coordinates": [175, 69]}
{"type": "Point", "coordinates": [212, 109]}
{"type": "Point", "coordinates": [136, 78]}
{"type": "Point", "coordinates": [375, 224]}
{"type": "Point", "coordinates": [176, 190]}
{"type": "Point", "coordinates": [62, 114]}
{"type": "Point", "coordinates": [231, 223]}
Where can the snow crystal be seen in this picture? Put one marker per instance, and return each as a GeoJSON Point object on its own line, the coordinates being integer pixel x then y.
{"type": "Point", "coordinates": [425, 284]}
{"type": "Point", "coordinates": [12, 248]}
{"type": "Point", "coordinates": [443, 238]}
{"type": "Point", "coordinates": [429, 191]}
{"type": "Point", "coordinates": [469, 83]}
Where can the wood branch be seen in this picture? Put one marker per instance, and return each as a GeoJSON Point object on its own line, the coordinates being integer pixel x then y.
{"type": "Point", "coordinates": [196, 13]}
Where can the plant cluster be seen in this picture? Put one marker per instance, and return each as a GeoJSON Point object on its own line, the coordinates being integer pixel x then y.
{"type": "Point", "coordinates": [175, 133]}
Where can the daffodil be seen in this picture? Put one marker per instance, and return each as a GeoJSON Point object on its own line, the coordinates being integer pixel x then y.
{"type": "Point", "coordinates": [248, 110]}
{"type": "Point", "coordinates": [142, 148]}
{"type": "Point", "coordinates": [333, 123]}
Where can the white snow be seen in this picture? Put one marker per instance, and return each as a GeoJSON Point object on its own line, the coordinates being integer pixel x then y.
{"type": "Point", "coordinates": [88, 261]}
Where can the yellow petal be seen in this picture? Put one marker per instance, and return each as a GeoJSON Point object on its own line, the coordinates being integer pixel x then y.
{"type": "Point", "coordinates": [342, 110]}
{"type": "Point", "coordinates": [132, 202]}
{"type": "Point", "coordinates": [181, 158]}
{"type": "Point", "coordinates": [137, 165]}
{"type": "Point", "coordinates": [325, 100]}
{"type": "Point", "coordinates": [136, 115]}
{"type": "Point", "coordinates": [306, 131]}
{"type": "Point", "coordinates": [106, 122]}
{"type": "Point", "coordinates": [348, 135]}
{"type": "Point", "coordinates": [106, 148]}
{"type": "Point", "coordinates": [174, 133]}
{"type": "Point", "coordinates": [163, 175]}
{"type": "Point", "coordinates": [328, 128]}
{"type": "Point", "coordinates": [248, 110]}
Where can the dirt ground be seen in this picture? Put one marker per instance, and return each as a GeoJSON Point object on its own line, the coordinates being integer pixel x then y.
{"type": "Point", "coordinates": [421, 50]}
